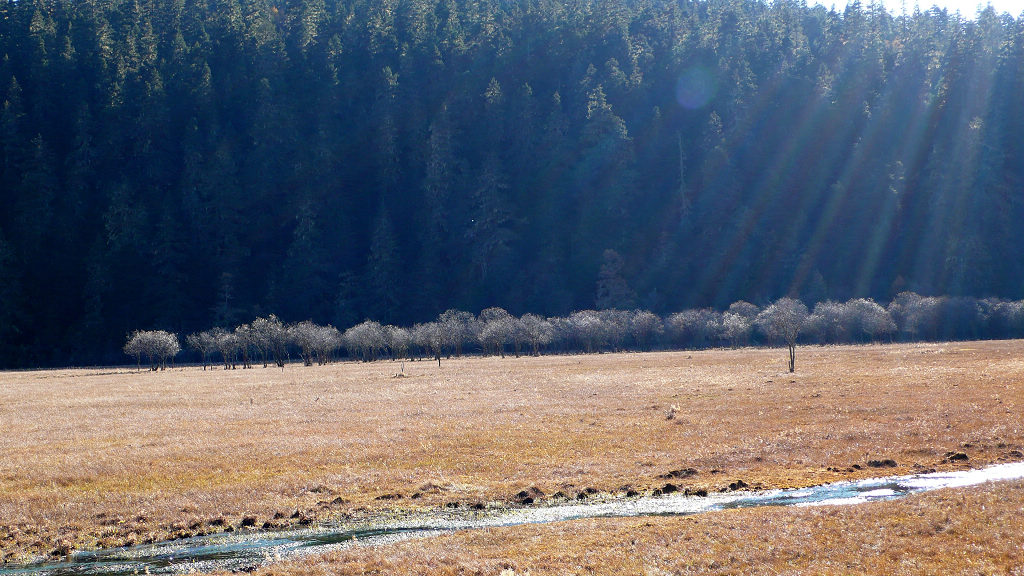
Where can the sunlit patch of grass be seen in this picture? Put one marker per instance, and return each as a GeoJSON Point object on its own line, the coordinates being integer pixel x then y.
{"type": "Point", "coordinates": [159, 450]}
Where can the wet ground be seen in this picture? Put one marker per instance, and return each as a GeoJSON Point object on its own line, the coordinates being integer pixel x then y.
{"type": "Point", "coordinates": [246, 551]}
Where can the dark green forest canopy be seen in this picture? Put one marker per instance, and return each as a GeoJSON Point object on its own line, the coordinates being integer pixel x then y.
{"type": "Point", "coordinates": [177, 164]}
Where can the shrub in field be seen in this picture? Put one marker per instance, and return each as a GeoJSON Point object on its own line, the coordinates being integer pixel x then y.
{"type": "Point", "coordinates": [157, 346]}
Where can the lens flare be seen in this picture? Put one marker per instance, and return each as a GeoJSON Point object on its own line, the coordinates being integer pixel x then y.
{"type": "Point", "coordinates": [695, 88]}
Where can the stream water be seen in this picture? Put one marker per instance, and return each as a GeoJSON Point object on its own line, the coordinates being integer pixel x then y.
{"type": "Point", "coordinates": [245, 551]}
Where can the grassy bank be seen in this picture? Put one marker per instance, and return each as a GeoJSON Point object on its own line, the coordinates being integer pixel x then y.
{"type": "Point", "coordinates": [951, 532]}
{"type": "Point", "coordinates": [102, 458]}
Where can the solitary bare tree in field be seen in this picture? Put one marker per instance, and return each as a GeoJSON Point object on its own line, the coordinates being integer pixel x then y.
{"type": "Point", "coordinates": [784, 320]}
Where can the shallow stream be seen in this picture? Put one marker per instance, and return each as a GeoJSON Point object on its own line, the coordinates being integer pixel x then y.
{"type": "Point", "coordinates": [245, 551]}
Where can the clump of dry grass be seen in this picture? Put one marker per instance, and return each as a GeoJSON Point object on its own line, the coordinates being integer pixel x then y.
{"type": "Point", "coordinates": [93, 458]}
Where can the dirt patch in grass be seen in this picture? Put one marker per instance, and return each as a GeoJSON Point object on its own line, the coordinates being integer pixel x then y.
{"type": "Point", "coordinates": [90, 458]}
{"type": "Point", "coordinates": [966, 531]}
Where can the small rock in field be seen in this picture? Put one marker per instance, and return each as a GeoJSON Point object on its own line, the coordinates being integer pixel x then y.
{"type": "Point", "coordinates": [887, 463]}
{"type": "Point", "coordinates": [681, 473]}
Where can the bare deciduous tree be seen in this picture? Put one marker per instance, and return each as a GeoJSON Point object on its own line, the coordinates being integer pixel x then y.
{"type": "Point", "coordinates": [496, 330]}
{"type": "Point", "coordinates": [397, 341]}
{"type": "Point", "coordinates": [645, 326]}
{"type": "Point", "coordinates": [227, 345]}
{"type": "Point", "coordinates": [866, 319]}
{"type": "Point", "coordinates": [271, 337]}
{"type": "Point", "coordinates": [784, 320]}
{"type": "Point", "coordinates": [365, 340]}
{"type": "Point", "coordinates": [827, 323]}
{"type": "Point", "coordinates": [695, 328]}
{"type": "Point", "coordinates": [736, 329]}
{"type": "Point", "coordinates": [458, 327]}
{"type": "Point", "coordinates": [430, 338]}
{"type": "Point", "coordinates": [204, 343]}
{"type": "Point", "coordinates": [157, 346]}
{"type": "Point", "coordinates": [538, 331]}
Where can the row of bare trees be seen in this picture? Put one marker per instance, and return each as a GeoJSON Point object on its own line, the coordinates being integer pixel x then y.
{"type": "Point", "coordinates": [267, 340]}
{"type": "Point", "coordinates": [494, 331]}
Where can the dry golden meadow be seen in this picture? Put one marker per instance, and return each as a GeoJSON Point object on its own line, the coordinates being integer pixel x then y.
{"type": "Point", "coordinates": [101, 458]}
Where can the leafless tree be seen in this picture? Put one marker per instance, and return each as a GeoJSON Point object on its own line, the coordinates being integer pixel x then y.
{"type": "Point", "coordinates": [539, 331]}
{"type": "Point", "coordinates": [157, 346]}
{"type": "Point", "coordinates": [615, 324]}
{"type": "Point", "coordinates": [588, 329]}
{"type": "Point", "coordinates": [784, 320]}
{"type": "Point", "coordinates": [328, 341]}
{"type": "Point", "coordinates": [246, 344]}
{"type": "Point", "coordinates": [365, 340]}
{"type": "Point", "coordinates": [916, 316]}
{"type": "Point", "coordinates": [745, 309]}
{"type": "Point", "coordinates": [645, 326]}
{"type": "Point", "coordinates": [303, 335]}
{"type": "Point", "coordinates": [696, 328]}
{"type": "Point", "coordinates": [430, 338]}
{"type": "Point", "coordinates": [736, 329]}
{"type": "Point", "coordinates": [496, 326]}
{"type": "Point", "coordinates": [227, 345]}
{"type": "Point", "coordinates": [271, 337]}
{"type": "Point", "coordinates": [827, 324]}
{"type": "Point", "coordinates": [458, 327]}
{"type": "Point", "coordinates": [397, 340]}
{"type": "Point", "coordinates": [204, 343]}
{"type": "Point", "coordinates": [866, 319]}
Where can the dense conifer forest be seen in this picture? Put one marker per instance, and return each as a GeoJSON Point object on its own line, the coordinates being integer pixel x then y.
{"type": "Point", "coordinates": [181, 164]}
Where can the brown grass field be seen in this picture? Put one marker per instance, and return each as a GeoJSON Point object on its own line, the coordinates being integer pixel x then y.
{"type": "Point", "coordinates": [101, 458]}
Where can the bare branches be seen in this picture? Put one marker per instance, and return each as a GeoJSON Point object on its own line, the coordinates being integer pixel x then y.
{"type": "Point", "coordinates": [157, 346]}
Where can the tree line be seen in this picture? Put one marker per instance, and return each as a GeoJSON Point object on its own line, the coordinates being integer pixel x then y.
{"type": "Point", "coordinates": [496, 332]}
{"type": "Point", "coordinates": [172, 163]}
